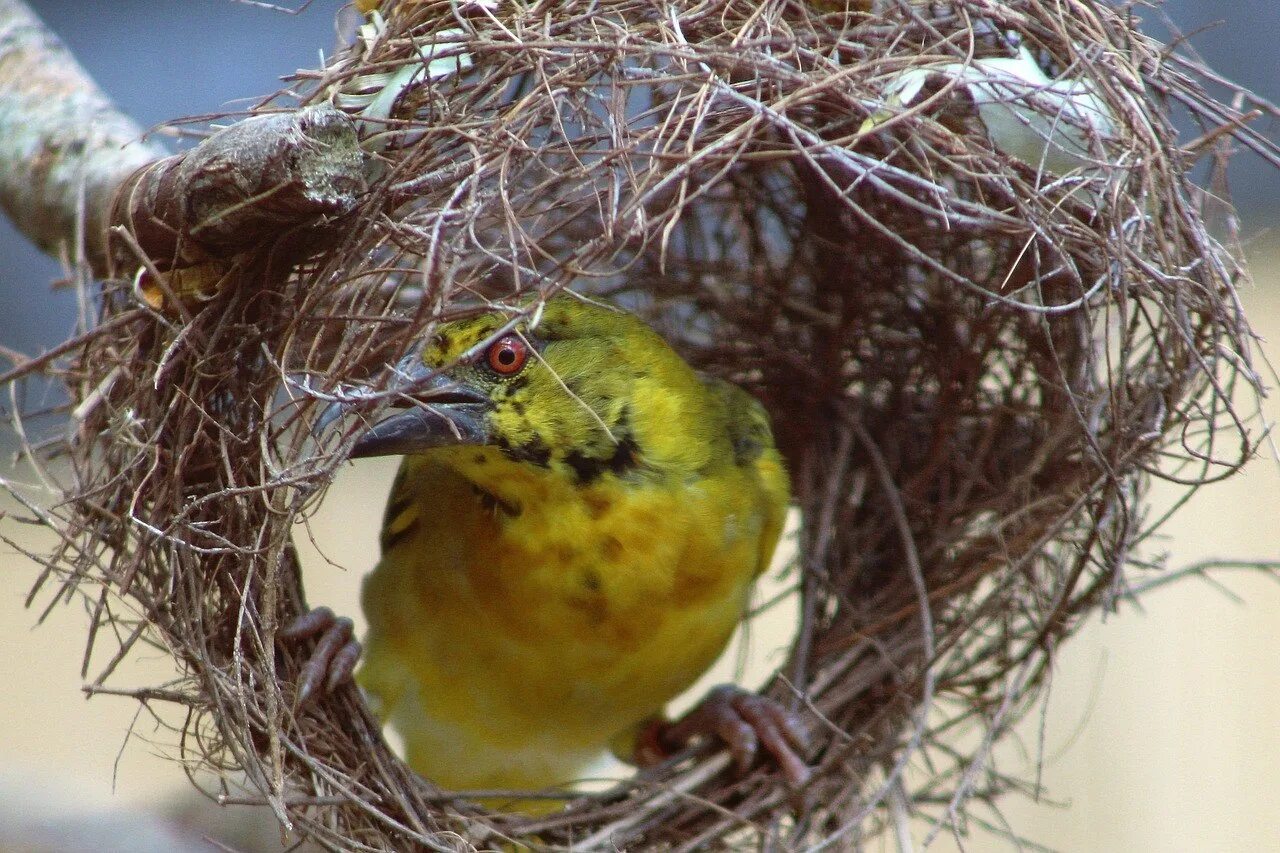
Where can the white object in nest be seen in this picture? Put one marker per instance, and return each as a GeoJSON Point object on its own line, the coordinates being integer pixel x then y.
{"type": "Point", "coordinates": [1056, 126]}
{"type": "Point", "coordinates": [440, 56]}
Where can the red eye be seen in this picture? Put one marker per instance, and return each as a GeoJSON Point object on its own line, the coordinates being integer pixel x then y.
{"type": "Point", "coordinates": [508, 355]}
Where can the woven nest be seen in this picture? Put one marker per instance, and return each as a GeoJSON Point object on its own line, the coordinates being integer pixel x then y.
{"type": "Point", "coordinates": [975, 365]}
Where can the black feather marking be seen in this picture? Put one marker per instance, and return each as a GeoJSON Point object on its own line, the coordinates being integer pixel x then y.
{"type": "Point", "coordinates": [390, 537]}
{"type": "Point", "coordinates": [389, 540]}
{"type": "Point", "coordinates": [747, 447]}
{"type": "Point", "coordinates": [534, 451]}
{"type": "Point", "coordinates": [397, 506]}
{"type": "Point", "coordinates": [494, 504]}
{"type": "Point", "coordinates": [587, 469]}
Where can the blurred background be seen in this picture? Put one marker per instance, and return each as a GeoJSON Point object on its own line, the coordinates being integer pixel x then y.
{"type": "Point", "coordinates": [1159, 733]}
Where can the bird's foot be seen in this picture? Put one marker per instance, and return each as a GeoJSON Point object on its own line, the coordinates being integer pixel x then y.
{"type": "Point", "coordinates": [334, 658]}
{"type": "Point", "coordinates": [744, 721]}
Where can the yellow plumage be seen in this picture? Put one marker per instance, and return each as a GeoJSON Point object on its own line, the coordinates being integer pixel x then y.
{"type": "Point", "coordinates": [551, 582]}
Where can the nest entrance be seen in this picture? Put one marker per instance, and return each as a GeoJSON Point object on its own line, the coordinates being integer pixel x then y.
{"type": "Point", "coordinates": [974, 365]}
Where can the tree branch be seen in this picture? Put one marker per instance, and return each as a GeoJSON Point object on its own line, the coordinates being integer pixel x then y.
{"type": "Point", "coordinates": [245, 185]}
{"type": "Point", "coordinates": [64, 147]}
{"type": "Point", "coordinates": [72, 166]}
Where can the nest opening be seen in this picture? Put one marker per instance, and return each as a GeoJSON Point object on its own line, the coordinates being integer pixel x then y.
{"type": "Point", "coordinates": [975, 360]}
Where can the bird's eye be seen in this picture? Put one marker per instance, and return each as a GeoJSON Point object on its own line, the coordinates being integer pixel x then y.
{"type": "Point", "coordinates": [508, 355]}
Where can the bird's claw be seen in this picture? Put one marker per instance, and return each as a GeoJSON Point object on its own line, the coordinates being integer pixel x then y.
{"type": "Point", "coordinates": [744, 721]}
{"type": "Point", "coordinates": [332, 661]}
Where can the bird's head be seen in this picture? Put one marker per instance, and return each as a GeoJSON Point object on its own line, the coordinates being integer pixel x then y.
{"type": "Point", "coordinates": [582, 388]}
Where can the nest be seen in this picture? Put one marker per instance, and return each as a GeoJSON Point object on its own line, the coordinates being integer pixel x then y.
{"type": "Point", "coordinates": [975, 365]}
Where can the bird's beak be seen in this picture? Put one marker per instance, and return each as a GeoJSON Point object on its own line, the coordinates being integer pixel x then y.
{"type": "Point", "coordinates": [431, 410]}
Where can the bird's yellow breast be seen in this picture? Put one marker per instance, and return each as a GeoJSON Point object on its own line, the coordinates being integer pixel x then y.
{"type": "Point", "coordinates": [573, 558]}
{"type": "Point", "coordinates": [519, 621]}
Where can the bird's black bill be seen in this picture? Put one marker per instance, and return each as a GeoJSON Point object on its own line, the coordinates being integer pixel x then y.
{"type": "Point", "coordinates": [432, 411]}
{"type": "Point", "coordinates": [423, 427]}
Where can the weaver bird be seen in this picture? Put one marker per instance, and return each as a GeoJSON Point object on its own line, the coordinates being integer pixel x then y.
{"type": "Point", "coordinates": [569, 543]}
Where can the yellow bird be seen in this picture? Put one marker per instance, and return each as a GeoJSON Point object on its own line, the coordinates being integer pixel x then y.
{"type": "Point", "coordinates": [570, 541]}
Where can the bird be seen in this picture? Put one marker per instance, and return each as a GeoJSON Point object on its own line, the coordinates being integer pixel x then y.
{"type": "Point", "coordinates": [570, 540]}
